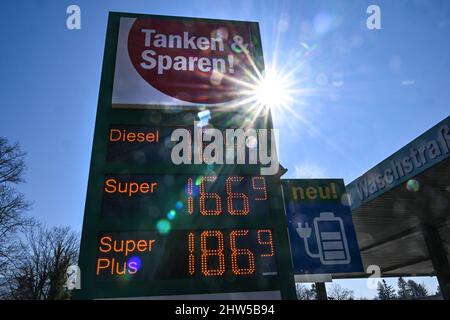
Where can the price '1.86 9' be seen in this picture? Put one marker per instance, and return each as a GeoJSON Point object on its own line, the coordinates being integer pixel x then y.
{"type": "Point", "coordinates": [235, 252]}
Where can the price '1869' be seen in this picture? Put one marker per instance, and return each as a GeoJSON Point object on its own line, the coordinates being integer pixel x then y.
{"type": "Point", "coordinates": [240, 252]}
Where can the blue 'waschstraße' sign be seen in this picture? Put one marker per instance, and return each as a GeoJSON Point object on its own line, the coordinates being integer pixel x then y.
{"type": "Point", "coordinates": [321, 231]}
{"type": "Point", "coordinates": [420, 154]}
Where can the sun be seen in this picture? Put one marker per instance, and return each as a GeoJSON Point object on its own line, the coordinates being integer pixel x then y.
{"type": "Point", "coordinates": [273, 90]}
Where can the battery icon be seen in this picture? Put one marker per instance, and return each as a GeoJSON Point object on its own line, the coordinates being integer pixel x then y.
{"type": "Point", "coordinates": [330, 237]}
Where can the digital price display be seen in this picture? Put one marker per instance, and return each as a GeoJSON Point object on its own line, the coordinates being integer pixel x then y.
{"type": "Point", "coordinates": [149, 255]}
{"type": "Point", "coordinates": [153, 145]}
{"type": "Point", "coordinates": [154, 196]}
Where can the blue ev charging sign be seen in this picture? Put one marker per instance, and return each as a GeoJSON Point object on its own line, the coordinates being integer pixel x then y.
{"type": "Point", "coordinates": [321, 231]}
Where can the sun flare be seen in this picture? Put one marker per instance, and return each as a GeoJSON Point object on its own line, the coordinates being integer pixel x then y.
{"type": "Point", "coordinates": [273, 90]}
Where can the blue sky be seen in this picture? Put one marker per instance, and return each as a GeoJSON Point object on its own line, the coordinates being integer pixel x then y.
{"type": "Point", "coordinates": [373, 91]}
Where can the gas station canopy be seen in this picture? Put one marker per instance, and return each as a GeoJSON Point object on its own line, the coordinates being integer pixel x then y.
{"type": "Point", "coordinates": [401, 209]}
{"type": "Point", "coordinates": [389, 228]}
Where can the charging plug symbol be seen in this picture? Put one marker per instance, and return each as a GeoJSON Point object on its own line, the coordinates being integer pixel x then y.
{"type": "Point", "coordinates": [330, 238]}
{"type": "Point", "coordinates": [304, 232]}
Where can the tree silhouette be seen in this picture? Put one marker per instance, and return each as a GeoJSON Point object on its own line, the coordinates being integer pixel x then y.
{"type": "Point", "coordinates": [303, 293]}
{"type": "Point", "coordinates": [41, 271]}
{"type": "Point", "coordinates": [417, 290]}
{"type": "Point", "coordinates": [12, 205]}
{"type": "Point", "coordinates": [403, 290]}
{"type": "Point", "coordinates": [337, 292]}
{"type": "Point", "coordinates": [385, 291]}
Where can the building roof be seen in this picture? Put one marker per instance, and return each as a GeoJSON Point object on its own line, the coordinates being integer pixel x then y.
{"type": "Point", "coordinates": [390, 208]}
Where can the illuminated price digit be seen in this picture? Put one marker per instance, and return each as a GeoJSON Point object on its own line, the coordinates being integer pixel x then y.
{"type": "Point", "coordinates": [236, 195]}
{"type": "Point", "coordinates": [235, 252]}
{"type": "Point", "coordinates": [206, 253]}
{"type": "Point", "coordinates": [209, 195]}
{"type": "Point", "coordinates": [261, 186]}
{"type": "Point", "coordinates": [268, 242]}
{"type": "Point", "coordinates": [190, 200]}
{"type": "Point", "coordinates": [191, 253]}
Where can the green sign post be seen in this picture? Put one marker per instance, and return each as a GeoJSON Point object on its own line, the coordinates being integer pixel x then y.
{"type": "Point", "coordinates": [154, 228]}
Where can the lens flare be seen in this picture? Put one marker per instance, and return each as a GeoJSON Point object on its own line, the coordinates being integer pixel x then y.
{"type": "Point", "coordinates": [171, 215]}
{"type": "Point", "coordinates": [178, 205]}
{"type": "Point", "coordinates": [198, 181]}
{"type": "Point", "coordinates": [163, 226]}
{"type": "Point", "coordinates": [412, 185]}
{"type": "Point", "coordinates": [251, 142]}
{"type": "Point", "coordinates": [136, 262]}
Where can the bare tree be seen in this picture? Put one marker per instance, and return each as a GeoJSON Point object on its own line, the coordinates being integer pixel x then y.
{"type": "Point", "coordinates": [303, 293]}
{"type": "Point", "coordinates": [337, 292]}
{"type": "Point", "coordinates": [33, 259]}
{"type": "Point", "coordinates": [40, 274]}
{"type": "Point", "coordinates": [12, 204]}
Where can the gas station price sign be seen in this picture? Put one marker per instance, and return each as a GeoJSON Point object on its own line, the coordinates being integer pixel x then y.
{"type": "Point", "coordinates": [184, 197]}
{"type": "Point", "coordinates": [216, 253]}
{"type": "Point", "coordinates": [152, 228]}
